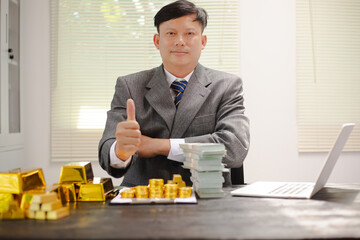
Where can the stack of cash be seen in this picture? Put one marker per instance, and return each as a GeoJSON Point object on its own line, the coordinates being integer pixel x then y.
{"type": "Point", "coordinates": [205, 163]}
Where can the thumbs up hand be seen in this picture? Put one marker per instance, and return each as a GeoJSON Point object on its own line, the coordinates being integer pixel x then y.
{"type": "Point", "coordinates": [127, 134]}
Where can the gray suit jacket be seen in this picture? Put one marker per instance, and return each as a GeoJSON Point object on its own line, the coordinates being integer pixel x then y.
{"type": "Point", "coordinates": [211, 111]}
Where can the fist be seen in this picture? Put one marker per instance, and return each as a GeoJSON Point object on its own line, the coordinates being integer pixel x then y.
{"type": "Point", "coordinates": [128, 134]}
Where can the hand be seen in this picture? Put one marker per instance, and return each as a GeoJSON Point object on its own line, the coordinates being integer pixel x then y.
{"type": "Point", "coordinates": [151, 147]}
{"type": "Point", "coordinates": [127, 134]}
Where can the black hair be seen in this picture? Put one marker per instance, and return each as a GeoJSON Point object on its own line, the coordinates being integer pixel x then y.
{"type": "Point", "coordinates": [178, 9]}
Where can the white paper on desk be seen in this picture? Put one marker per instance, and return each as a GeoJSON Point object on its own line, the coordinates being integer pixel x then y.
{"type": "Point", "coordinates": [119, 200]}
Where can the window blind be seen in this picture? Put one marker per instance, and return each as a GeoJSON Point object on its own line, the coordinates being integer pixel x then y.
{"type": "Point", "coordinates": [328, 72]}
{"type": "Point", "coordinates": [95, 41]}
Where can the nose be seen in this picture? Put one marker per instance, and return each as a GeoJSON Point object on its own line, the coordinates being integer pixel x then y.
{"type": "Point", "coordinates": [179, 41]}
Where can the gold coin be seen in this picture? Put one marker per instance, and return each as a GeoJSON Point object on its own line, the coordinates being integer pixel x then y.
{"type": "Point", "coordinates": [128, 193]}
{"type": "Point", "coordinates": [141, 191]}
{"type": "Point", "coordinates": [156, 182]}
{"type": "Point", "coordinates": [171, 190]}
{"type": "Point", "coordinates": [185, 192]}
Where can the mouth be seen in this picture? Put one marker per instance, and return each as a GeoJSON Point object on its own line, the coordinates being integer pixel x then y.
{"type": "Point", "coordinates": [179, 53]}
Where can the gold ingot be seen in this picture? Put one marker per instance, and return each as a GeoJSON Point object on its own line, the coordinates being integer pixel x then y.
{"type": "Point", "coordinates": [5, 198]}
{"type": "Point", "coordinates": [96, 190]}
{"type": "Point", "coordinates": [185, 192]}
{"type": "Point", "coordinates": [26, 197]}
{"type": "Point", "coordinates": [128, 193]}
{"type": "Point", "coordinates": [58, 213]}
{"type": "Point", "coordinates": [181, 184]}
{"type": "Point", "coordinates": [171, 182]}
{"type": "Point", "coordinates": [17, 181]}
{"type": "Point", "coordinates": [76, 172]}
{"type": "Point", "coordinates": [177, 178]}
{"type": "Point", "coordinates": [141, 191]}
{"type": "Point", "coordinates": [11, 210]}
{"type": "Point", "coordinates": [69, 192]}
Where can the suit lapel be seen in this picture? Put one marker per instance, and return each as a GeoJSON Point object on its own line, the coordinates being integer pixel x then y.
{"type": "Point", "coordinates": [159, 97]}
{"type": "Point", "coordinates": [195, 94]}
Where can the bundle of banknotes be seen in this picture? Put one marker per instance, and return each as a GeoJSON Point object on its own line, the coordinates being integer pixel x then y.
{"type": "Point", "coordinates": [205, 163]}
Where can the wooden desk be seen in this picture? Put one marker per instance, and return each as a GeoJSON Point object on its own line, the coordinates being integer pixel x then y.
{"type": "Point", "coordinates": [333, 213]}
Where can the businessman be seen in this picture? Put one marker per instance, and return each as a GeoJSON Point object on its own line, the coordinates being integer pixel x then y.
{"type": "Point", "coordinates": [181, 101]}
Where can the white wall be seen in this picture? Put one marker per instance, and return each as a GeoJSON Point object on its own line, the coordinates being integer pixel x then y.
{"type": "Point", "coordinates": [268, 65]}
{"type": "Point", "coordinates": [36, 74]}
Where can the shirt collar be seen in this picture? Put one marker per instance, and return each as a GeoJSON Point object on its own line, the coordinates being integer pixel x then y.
{"type": "Point", "coordinates": [170, 78]}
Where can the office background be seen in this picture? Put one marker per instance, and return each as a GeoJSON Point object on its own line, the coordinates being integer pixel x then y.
{"type": "Point", "coordinates": [268, 67]}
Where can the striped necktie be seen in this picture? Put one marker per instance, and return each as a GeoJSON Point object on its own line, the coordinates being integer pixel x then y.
{"type": "Point", "coordinates": [179, 88]}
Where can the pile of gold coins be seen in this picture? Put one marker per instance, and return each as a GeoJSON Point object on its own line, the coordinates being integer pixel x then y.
{"type": "Point", "coordinates": [175, 188]}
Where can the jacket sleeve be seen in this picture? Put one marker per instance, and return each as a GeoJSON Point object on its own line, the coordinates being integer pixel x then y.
{"type": "Point", "coordinates": [116, 114]}
{"type": "Point", "coordinates": [231, 127]}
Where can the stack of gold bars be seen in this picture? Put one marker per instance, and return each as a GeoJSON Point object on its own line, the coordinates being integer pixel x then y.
{"type": "Point", "coordinates": [21, 189]}
{"type": "Point", "coordinates": [24, 194]}
{"type": "Point", "coordinates": [175, 188]}
{"type": "Point", "coordinates": [78, 183]}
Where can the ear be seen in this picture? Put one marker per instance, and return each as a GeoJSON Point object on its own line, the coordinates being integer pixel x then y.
{"type": "Point", "coordinates": [203, 41]}
{"type": "Point", "coordinates": [156, 40]}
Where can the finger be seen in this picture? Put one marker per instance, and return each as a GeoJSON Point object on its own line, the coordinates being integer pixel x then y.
{"type": "Point", "coordinates": [128, 141]}
{"type": "Point", "coordinates": [129, 148]}
{"type": "Point", "coordinates": [130, 109]}
{"type": "Point", "coordinates": [128, 125]}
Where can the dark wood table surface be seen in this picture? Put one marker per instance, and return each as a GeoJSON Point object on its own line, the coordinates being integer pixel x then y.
{"type": "Point", "coordinates": [333, 213]}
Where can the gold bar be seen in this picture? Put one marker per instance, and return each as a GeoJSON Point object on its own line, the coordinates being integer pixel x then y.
{"type": "Point", "coordinates": [50, 206]}
{"type": "Point", "coordinates": [79, 172]}
{"type": "Point", "coordinates": [26, 197]}
{"type": "Point", "coordinates": [58, 213]}
{"type": "Point", "coordinates": [5, 198]}
{"type": "Point", "coordinates": [177, 178]}
{"type": "Point", "coordinates": [44, 198]}
{"type": "Point", "coordinates": [69, 192]}
{"type": "Point", "coordinates": [95, 190]}
{"type": "Point", "coordinates": [11, 210]}
{"type": "Point", "coordinates": [40, 215]}
{"type": "Point", "coordinates": [35, 207]}
{"type": "Point", "coordinates": [18, 181]}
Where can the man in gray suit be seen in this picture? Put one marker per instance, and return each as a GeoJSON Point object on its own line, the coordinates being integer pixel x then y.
{"type": "Point", "coordinates": [148, 120]}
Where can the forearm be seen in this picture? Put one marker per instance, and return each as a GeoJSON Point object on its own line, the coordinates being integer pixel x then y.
{"type": "Point", "coordinates": [151, 147]}
{"type": "Point", "coordinates": [236, 146]}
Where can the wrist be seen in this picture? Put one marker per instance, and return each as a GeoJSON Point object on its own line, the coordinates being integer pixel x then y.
{"type": "Point", "coordinates": [123, 156]}
{"type": "Point", "coordinates": [163, 146]}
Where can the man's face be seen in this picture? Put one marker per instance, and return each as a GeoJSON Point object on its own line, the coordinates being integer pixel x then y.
{"type": "Point", "coordinates": [180, 42]}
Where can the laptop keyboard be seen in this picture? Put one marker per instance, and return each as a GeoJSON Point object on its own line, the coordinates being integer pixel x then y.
{"type": "Point", "coordinates": [291, 188]}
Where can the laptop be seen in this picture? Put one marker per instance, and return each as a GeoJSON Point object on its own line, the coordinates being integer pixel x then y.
{"type": "Point", "coordinates": [298, 190]}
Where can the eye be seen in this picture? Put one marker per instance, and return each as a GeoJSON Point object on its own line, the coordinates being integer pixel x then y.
{"type": "Point", "coordinates": [170, 33]}
{"type": "Point", "coordinates": [190, 33]}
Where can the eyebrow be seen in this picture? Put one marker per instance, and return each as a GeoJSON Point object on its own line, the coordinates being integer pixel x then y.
{"type": "Point", "coordinates": [173, 29]}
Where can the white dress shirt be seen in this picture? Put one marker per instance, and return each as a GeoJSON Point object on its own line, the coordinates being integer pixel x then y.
{"type": "Point", "coordinates": [175, 153]}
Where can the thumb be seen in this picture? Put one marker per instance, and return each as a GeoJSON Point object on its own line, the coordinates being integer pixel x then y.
{"type": "Point", "coordinates": [130, 109]}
